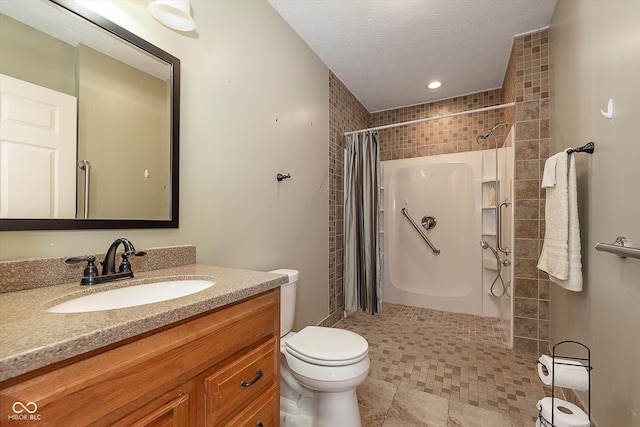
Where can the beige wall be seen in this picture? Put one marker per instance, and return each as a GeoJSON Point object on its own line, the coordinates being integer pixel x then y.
{"type": "Point", "coordinates": [595, 55]}
{"type": "Point", "coordinates": [254, 103]}
{"type": "Point", "coordinates": [123, 130]}
{"type": "Point", "coordinates": [53, 65]}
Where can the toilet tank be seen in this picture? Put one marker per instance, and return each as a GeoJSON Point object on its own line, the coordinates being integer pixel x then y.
{"type": "Point", "coordinates": [287, 300]}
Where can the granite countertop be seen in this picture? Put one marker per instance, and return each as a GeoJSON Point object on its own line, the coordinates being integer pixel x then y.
{"type": "Point", "coordinates": [32, 338]}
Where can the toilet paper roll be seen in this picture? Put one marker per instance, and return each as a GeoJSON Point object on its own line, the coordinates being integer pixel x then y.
{"type": "Point", "coordinates": [564, 373]}
{"type": "Point", "coordinates": [565, 414]}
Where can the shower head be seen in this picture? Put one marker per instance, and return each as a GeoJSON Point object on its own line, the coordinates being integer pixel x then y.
{"type": "Point", "coordinates": [485, 245]}
{"type": "Point", "coordinates": [481, 139]}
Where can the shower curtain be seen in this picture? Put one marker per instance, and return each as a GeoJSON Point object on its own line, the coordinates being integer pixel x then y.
{"type": "Point", "coordinates": [362, 267]}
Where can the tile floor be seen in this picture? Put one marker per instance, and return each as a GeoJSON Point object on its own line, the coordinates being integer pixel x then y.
{"type": "Point", "coordinates": [434, 368]}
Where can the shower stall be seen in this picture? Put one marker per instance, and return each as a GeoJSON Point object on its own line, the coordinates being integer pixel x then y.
{"type": "Point", "coordinates": [446, 227]}
{"type": "Point", "coordinates": [447, 232]}
{"type": "Point", "coordinates": [447, 188]}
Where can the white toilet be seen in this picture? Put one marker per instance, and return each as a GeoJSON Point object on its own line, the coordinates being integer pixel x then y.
{"type": "Point", "coordinates": [320, 369]}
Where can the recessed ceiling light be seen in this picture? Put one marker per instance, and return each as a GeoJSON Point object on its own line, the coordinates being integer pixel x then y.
{"type": "Point", "coordinates": [434, 84]}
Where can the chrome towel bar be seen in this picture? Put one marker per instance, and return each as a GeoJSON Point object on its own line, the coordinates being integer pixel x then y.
{"type": "Point", "coordinates": [619, 247]}
{"type": "Point", "coordinates": [405, 212]}
{"type": "Point", "coordinates": [501, 248]}
{"type": "Point", "coordinates": [85, 165]}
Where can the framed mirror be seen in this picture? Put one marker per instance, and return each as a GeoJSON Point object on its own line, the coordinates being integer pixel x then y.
{"type": "Point", "coordinates": [89, 122]}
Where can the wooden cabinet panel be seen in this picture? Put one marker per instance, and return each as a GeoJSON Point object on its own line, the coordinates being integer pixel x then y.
{"type": "Point", "coordinates": [174, 409]}
{"type": "Point", "coordinates": [238, 383]}
{"type": "Point", "coordinates": [173, 414]}
{"type": "Point", "coordinates": [264, 412]}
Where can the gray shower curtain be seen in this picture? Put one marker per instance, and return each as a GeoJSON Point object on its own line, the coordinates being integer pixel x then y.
{"type": "Point", "coordinates": [362, 267]}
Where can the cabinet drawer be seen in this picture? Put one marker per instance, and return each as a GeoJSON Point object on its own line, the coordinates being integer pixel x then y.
{"type": "Point", "coordinates": [264, 412]}
{"type": "Point", "coordinates": [240, 382]}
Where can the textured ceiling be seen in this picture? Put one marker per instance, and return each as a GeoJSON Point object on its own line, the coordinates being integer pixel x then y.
{"type": "Point", "coordinates": [386, 51]}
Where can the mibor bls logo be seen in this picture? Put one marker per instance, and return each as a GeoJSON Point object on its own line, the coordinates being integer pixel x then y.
{"type": "Point", "coordinates": [24, 412]}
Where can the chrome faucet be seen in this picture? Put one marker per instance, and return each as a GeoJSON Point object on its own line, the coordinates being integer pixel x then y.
{"type": "Point", "coordinates": [90, 275]}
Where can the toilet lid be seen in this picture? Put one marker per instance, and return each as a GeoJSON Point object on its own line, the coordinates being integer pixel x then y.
{"type": "Point", "coordinates": [327, 346]}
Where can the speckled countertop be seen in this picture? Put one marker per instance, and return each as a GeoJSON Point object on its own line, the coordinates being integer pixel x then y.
{"type": "Point", "coordinates": [32, 338]}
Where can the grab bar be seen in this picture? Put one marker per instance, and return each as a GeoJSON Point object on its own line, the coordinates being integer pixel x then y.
{"type": "Point", "coordinates": [501, 248]}
{"type": "Point", "coordinates": [405, 212]}
{"type": "Point", "coordinates": [620, 248]}
{"type": "Point", "coordinates": [85, 165]}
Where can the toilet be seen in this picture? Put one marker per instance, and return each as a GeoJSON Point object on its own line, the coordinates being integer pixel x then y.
{"type": "Point", "coordinates": [320, 369]}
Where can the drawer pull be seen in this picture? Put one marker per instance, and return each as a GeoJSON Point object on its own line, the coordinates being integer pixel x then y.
{"type": "Point", "coordinates": [258, 376]}
{"type": "Point", "coordinates": [259, 424]}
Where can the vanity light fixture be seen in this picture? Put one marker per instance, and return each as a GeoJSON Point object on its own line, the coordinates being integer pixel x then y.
{"type": "Point", "coordinates": [174, 14]}
{"type": "Point", "coordinates": [434, 84]}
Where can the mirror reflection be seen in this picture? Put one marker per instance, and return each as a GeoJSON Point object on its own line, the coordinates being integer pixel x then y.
{"type": "Point", "coordinates": [86, 120]}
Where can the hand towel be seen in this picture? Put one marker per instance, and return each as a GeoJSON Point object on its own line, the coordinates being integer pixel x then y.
{"type": "Point", "coordinates": [549, 173]}
{"type": "Point", "coordinates": [560, 256]}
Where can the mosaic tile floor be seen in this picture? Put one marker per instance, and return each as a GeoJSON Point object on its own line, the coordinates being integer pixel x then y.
{"type": "Point", "coordinates": [437, 368]}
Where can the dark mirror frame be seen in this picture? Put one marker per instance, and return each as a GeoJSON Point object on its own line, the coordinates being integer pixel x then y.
{"type": "Point", "coordinates": [9, 224]}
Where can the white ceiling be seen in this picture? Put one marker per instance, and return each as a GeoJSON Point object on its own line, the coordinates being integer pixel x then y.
{"type": "Point", "coordinates": [386, 51]}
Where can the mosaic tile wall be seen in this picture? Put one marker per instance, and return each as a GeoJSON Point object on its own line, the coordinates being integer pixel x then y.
{"type": "Point", "coordinates": [346, 113]}
{"type": "Point", "coordinates": [444, 136]}
{"type": "Point", "coordinates": [530, 63]}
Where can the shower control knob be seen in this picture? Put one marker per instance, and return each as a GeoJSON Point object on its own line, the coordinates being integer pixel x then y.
{"type": "Point", "coordinates": [429, 222]}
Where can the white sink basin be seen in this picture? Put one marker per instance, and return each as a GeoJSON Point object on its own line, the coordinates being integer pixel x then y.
{"type": "Point", "coordinates": [132, 296]}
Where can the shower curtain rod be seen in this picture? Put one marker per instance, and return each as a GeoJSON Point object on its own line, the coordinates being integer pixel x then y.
{"type": "Point", "coordinates": [477, 110]}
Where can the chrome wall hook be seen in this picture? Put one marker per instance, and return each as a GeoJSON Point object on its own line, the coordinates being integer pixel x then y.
{"type": "Point", "coordinates": [280, 176]}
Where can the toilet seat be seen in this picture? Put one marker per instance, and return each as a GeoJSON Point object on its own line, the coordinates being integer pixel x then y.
{"type": "Point", "coordinates": [327, 346]}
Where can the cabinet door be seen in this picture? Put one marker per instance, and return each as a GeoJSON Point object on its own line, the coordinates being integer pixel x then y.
{"type": "Point", "coordinates": [173, 409]}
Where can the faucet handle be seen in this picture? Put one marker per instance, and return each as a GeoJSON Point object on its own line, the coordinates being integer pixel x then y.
{"type": "Point", "coordinates": [125, 265]}
{"type": "Point", "coordinates": [77, 259]}
{"type": "Point", "coordinates": [90, 271]}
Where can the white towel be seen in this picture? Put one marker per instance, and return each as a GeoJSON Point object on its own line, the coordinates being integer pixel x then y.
{"type": "Point", "coordinates": [549, 173]}
{"type": "Point", "coordinates": [560, 256]}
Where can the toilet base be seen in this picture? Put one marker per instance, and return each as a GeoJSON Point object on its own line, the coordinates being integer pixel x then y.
{"type": "Point", "coordinates": [292, 415]}
{"type": "Point", "coordinates": [336, 409]}
{"type": "Point", "coordinates": [330, 410]}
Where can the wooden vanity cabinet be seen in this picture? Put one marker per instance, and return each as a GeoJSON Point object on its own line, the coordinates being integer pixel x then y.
{"type": "Point", "coordinates": [189, 374]}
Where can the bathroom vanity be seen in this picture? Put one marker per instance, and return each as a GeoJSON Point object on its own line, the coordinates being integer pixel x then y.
{"type": "Point", "coordinates": [211, 358]}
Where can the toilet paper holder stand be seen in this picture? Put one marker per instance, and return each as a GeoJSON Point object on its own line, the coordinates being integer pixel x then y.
{"type": "Point", "coordinates": [544, 422]}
